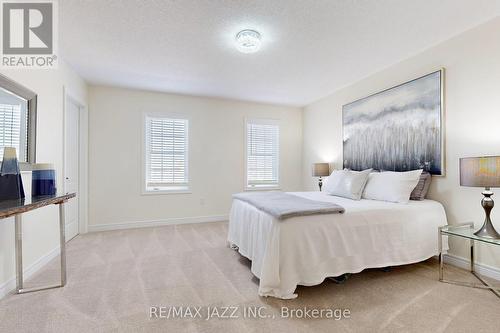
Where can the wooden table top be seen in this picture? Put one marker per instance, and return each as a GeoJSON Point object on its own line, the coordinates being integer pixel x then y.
{"type": "Point", "coordinates": [13, 207]}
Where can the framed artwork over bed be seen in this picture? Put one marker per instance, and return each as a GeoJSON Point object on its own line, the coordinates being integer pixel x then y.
{"type": "Point", "coordinates": [397, 129]}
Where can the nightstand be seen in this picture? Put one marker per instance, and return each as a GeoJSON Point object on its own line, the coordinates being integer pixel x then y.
{"type": "Point", "coordinates": [465, 231]}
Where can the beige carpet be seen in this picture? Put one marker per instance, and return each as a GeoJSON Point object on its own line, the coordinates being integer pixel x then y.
{"type": "Point", "coordinates": [115, 277]}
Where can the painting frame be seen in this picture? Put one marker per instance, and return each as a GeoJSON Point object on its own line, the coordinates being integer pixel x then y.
{"type": "Point", "coordinates": [441, 114]}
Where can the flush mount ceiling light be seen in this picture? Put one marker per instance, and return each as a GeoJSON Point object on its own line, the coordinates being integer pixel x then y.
{"type": "Point", "coordinates": [248, 41]}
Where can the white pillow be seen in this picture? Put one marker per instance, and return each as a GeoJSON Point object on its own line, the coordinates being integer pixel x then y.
{"type": "Point", "coordinates": [346, 183]}
{"type": "Point", "coordinates": [391, 186]}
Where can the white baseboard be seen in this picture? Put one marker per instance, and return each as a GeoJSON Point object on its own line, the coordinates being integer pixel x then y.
{"type": "Point", "coordinates": [156, 223]}
{"type": "Point", "coordinates": [10, 285]}
{"type": "Point", "coordinates": [486, 270]}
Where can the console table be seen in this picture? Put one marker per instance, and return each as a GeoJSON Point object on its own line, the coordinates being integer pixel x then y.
{"type": "Point", "coordinates": [465, 231]}
{"type": "Point", "coordinates": [16, 208]}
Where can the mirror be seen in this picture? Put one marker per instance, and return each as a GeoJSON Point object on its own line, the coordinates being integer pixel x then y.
{"type": "Point", "coordinates": [17, 120]}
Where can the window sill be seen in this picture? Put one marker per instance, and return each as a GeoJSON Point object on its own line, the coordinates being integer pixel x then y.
{"type": "Point", "coordinates": [166, 191]}
{"type": "Point", "coordinates": [263, 188]}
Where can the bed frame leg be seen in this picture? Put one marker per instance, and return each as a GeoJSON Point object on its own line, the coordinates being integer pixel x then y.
{"type": "Point", "coordinates": [341, 278]}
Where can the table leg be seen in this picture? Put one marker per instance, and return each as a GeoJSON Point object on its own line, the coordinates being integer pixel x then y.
{"type": "Point", "coordinates": [19, 255]}
{"type": "Point", "coordinates": [19, 252]}
{"type": "Point", "coordinates": [62, 231]}
{"type": "Point", "coordinates": [440, 249]}
{"type": "Point", "coordinates": [472, 263]}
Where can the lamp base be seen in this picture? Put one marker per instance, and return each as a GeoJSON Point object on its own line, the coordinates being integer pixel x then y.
{"type": "Point", "coordinates": [487, 230]}
{"type": "Point", "coordinates": [320, 183]}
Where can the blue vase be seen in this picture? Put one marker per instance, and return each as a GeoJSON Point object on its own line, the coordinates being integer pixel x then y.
{"type": "Point", "coordinates": [43, 180]}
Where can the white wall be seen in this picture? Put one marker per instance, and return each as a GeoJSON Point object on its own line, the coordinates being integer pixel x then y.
{"type": "Point", "coordinates": [472, 120]}
{"type": "Point", "coordinates": [41, 227]}
{"type": "Point", "coordinates": [217, 155]}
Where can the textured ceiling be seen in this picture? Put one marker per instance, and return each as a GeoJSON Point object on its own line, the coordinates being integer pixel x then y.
{"type": "Point", "coordinates": [310, 48]}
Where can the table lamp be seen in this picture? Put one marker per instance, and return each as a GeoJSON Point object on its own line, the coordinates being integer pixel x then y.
{"type": "Point", "coordinates": [320, 170]}
{"type": "Point", "coordinates": [482, 172]}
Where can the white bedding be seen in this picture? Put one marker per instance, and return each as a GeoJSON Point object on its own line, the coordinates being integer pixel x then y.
{"type": "Point", "coordinates": [307, 249]}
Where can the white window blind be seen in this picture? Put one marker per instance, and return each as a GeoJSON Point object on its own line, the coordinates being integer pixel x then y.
{"type": "Point", "coordinates": [166, 153]}
{"type": "Point", "coordinates": [262, 153]}
{"type": "Point", "coordinates": [13, 130]}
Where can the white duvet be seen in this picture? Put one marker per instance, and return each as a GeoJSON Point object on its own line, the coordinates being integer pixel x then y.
{"type": "Point", "coordinates": [305, 250]}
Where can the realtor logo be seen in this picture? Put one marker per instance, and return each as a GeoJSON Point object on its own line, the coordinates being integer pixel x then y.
{"type": "Point", "coordinates": [28, 34]}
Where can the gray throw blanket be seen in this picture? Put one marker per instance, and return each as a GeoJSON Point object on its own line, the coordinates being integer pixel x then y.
{"type": "Point", "coordinates": [283, 205]}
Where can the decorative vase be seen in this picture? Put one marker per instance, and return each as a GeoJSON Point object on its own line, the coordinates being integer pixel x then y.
{"type": "Point", "coordinates": [43, 180]}
{"type": "Point", "coordinates": [11, 183]}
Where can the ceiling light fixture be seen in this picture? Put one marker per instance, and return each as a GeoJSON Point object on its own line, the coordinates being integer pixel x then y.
{"type": "Point", "coordinates": [248, 41]}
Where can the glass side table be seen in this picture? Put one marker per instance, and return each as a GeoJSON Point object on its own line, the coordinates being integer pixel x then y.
{"type": "Point", "coordinates": [465, 231]}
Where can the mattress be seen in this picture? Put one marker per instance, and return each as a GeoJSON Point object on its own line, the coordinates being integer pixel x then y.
{"type": "Point", "coordinates": [305, 250]}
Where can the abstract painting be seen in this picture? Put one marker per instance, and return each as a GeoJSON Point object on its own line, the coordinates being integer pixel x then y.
{"type": "Point", "coordinates": [397, 129]}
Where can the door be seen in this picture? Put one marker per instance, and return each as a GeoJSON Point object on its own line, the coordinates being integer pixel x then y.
{"type": "Point", "coordinates": [72, 165]}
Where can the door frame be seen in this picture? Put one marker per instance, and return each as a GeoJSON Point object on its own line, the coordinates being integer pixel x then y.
{"type": "Point", "coordinates": [83, 157]}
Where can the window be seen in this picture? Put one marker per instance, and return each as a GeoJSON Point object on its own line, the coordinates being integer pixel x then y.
{"type": "Point", "coordinates": [166, 148]}
{"type": "Point", "coordinates": [17, 120]}
{"type": "Point", "coordinates": [262, 153]}
{"type": "Point", "coordinates": [13, 129]}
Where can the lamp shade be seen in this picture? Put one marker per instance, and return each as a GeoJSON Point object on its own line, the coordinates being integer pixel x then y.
{"type": "Point", "coordinates": [320, 169]}
{"type": "Point", "coordinates": [480, 171]}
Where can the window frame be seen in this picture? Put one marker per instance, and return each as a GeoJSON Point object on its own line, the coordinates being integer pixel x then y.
{"type": "Point", "coordinates": [145, 190]}
{"type": "Point", "coordinates": [262, 121]}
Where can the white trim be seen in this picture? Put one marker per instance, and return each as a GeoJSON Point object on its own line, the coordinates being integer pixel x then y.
{"type": "Point", "coordinates": [157, 223]}
{"type": "Point", "coordinates": [10, 284]}
{"type": "Point", "coordinates": [486, 270]}
{"type": "Point", "coordinates": [83, 158]}
{"type": "Point", "coordinates": [263, 121]}
{"type": "Point", "coordinates": [160, 192]}
{"type": "Point", "coordinates": [262, 188]}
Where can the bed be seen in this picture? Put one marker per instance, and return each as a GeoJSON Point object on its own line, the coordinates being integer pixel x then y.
{"type": "Point", "coordinates": [305, 250]}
